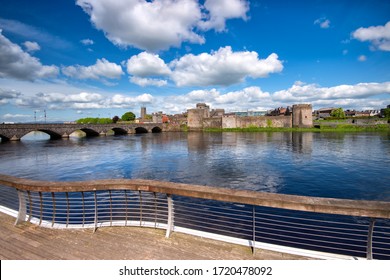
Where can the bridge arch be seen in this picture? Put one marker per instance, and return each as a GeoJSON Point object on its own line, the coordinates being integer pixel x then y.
{"type": "Point", "coordinates": [52, 134]}
{"type": "Point", "coordinates": [4, 138]}
{"type": "Point", "coordinates": [119, 131]}
{"type": "Point", "coordinates": [140, 130]}
{"type": "Point", "coordinates": [156, 129]}
{"type": "Point", "coordinates": [90, 132]}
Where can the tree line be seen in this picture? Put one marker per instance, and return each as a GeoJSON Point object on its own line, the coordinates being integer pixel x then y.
{"type": "Point", "coordinates": [128, 116]}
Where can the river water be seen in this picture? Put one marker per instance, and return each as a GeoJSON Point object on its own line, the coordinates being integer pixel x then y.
{"type": "Point", "coordinates": [338, 165]}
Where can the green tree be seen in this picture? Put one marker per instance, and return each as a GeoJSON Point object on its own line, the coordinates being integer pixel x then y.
{"type": "Point", "coordinates": [94, 121]}
{"type": "Point", "coordinates": [386, 113]}
{"type": "Point", "coordinates": [338, 113]}
{"type": "Point", "coordinates": [129, 116]}
{"type": "Point", "coordinates": [115, 119]}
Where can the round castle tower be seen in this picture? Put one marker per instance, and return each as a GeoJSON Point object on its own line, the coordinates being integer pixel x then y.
{"type": "Point", "coordinates": [302, 115]}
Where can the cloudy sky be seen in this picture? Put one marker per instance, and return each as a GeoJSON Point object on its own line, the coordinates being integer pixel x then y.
{"type": "Point", "coordinates": [101, 58]}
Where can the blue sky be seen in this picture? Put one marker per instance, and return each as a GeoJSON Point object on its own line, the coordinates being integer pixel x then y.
{"type": "Point", "coordinates": [101, 58]}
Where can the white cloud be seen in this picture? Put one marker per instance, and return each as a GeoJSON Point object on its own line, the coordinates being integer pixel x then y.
{"type": "Point", "coordinates": [143, 82]}
{"type": "Point", "coordinates": [62, 101]}
{"type": "Point", "coordinates": [313, 93]}
{"type": "Point", "coordinates": [31, 46]}
{"type": "Point", "coordinates": [247, 95]}
{"type": "Point", "coordinates": [362, 58]}
{"type": "Point", "coordinates": [161, 24]}
{"type": "Point", "coordinates": [223, 67]}
{"type": "Point", "coordinates": [148, 25]}
{"type": "Point", "coordinates": [100, 70]}
{"type": "Point", "coordinates": [147, 64]}
{"type": "Point", "coordinates": [323, 22]}
{"type": "Point", "coordinates": [123, 101]}
{"type": "Point", "coordinates": [15, 116]}
{"type": "Point", "coordinates": [17, 64]}
{"type": "Point", "coordinates": [379, 36]}
{"type": "Point", "coordinates": [221, 10]}
{"type": "Point", "coordinates": [7, 95]}
{"type": "Point", "coordinates": [87, 42]}
{"type": "Point", "coordinates": [203, 95]}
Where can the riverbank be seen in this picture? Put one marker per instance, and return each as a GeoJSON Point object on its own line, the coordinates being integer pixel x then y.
{"type": "Point", "coordinates": [318, 127]}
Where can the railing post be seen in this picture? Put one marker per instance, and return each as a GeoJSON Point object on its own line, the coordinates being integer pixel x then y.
{"type": "Point", "coordinates": [40, 208]}
{"type": "Point", "coordinates": [22, 208]}
{"type": "Point", "coordinates": [67, 209]}
{"type": "Point", "coordinates": [155, 209]}
{"type": "Point", "coordinates": [54, 209]}
{"type": "Point", "coordinates": [254, 229]}
{"type": "Point", "coordinates": [140, 208]}
{"type": "Point", "coordinates": [369, 238]}
{"type": "Point", "coordinates": [170, 216]}
{"type": "Point", "coordinates": [96, 212]}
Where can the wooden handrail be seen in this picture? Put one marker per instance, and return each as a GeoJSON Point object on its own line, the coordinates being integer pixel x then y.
{"type": "Point", "coordinates": [361, 208]}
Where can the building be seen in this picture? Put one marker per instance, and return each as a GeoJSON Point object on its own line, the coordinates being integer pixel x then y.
{"type": "Point", "coordinates": [250, 113]}
{"type": "Point", "coordinates": [281, 111]}
{"type": "Point", "coordinates": [323, 112]}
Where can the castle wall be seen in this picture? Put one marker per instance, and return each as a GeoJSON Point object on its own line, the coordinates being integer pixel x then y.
{"type": "Point", "coordinates": [229, 121]}
{"type": "Point", "coordinates": [261, 121]}
{"type": "Point", "coordinates": [215, 122]}
{"type": "Point", "coordinates": [199, 119]}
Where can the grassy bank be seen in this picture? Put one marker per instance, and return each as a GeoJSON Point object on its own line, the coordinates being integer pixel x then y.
{"type": "Point", "coordinates": [320, 128]}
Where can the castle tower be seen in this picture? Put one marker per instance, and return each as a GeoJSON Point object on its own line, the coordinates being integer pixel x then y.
{"type": "Point", "coordinates": [302, 115]}
{"type": "Point", "coordinates": [143, 112]}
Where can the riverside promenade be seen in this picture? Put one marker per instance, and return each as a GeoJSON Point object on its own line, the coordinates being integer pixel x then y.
{"type": "Point", "coordinates": [26, 241]}
{"type": "Point", "coordinates": [144, 219]}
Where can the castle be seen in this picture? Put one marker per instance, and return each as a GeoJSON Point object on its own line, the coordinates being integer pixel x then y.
{"type": "Point", "coordinates": [202, 117]}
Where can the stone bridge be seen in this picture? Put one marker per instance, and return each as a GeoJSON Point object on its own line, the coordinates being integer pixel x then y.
{"type": "Point", "coordinates": [61, 130]}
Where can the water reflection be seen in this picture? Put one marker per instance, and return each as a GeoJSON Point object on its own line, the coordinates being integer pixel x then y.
{"type": "Point", "coordinates": [316, 164]}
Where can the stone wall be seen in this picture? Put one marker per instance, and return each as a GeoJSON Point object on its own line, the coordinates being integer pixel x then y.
{"type": "Point", "coordinates": [229, 121]}
{"type": "Point", "coordinates": [215, 122]}
{"type": "Point", "coordinates": [264, 121]}
{"type": "Point", "coordinates": [175, 124]}
{"type": "Point", "coordinates": [261, 121]}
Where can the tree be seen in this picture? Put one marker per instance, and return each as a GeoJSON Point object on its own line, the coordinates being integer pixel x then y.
{"type": "Point", "coordinates": [386, 113]}
{"type": "Point", "coordinates": [94, 121]}
{"type": "Point", "coordinates": [129, 116]}
{"type": "Point", "coordinates": [115, 119]}
{"type": "Point", "coordinates": [338, 113]}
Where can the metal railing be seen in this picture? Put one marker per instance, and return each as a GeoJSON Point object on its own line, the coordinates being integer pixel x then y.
{"type": "Point", "coordinates": [309, 226]}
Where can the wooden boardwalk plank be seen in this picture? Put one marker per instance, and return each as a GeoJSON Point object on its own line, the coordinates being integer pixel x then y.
{"type": "Point", "coordinates": [30, 242]}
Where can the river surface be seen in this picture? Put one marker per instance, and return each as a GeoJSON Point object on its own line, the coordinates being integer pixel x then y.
{"type": "Point", "coordinates": [339, 165]}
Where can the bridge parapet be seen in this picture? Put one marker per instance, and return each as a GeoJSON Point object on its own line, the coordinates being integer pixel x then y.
{"type": "Point", "coordinates": [61, 130]}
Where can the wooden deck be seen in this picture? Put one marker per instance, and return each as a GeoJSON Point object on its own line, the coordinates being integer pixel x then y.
{"type": "Point", "coordinates": [30, 242]}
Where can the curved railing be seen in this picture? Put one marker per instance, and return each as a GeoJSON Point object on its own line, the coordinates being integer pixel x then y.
{"type": "Point", "coordinates": [311, 226]}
